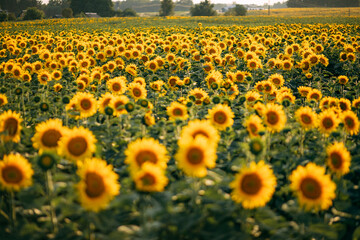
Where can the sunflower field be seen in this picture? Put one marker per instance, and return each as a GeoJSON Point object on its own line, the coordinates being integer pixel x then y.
{"type": "Point", "coordinates": [180, 128]}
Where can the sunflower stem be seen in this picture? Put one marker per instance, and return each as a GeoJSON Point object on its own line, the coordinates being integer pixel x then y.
{"type": "Point", "coordinates": [50, 190]}
{"type": "Point", "coordinates": [302, 138]}
{"type": "Point", "coordinates": [91, 230]}
{"type": "Point", "coordinates": [13, 211]}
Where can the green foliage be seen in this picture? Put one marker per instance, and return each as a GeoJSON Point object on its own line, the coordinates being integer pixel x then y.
{"type": "Point", "coordinates": [67, 13]}
{"type": "Point", "coordinates": [104, 8]}
{"type": "Point", "coordinates": [128, 12]}
{"type": "Point", "coordinates": [238, 10]}
{"type": "Point", "coordinates": [166, 8]}
{"type": "Point", "coordinates": [203, 9]}
{"type": "Point", "coordinates": [33, 13]}
{"type": "Point", "coordinates": [3, 16]}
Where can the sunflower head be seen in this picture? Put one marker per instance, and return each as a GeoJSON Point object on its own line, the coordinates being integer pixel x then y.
{"type": "Point", "coordinates": [98, 184]}
{"type": "Point", "coordinates": [195, 156]}
{"type": "Point", "coordinates": [150, 178]}
{"type": "Point", "coordinates": [77, 144]}
{"type": "Point", "coordinates": [338, 158]}
{"type": "Point", "coordinates": [221, 116]}
{"type": "Point", "coordinates": [314, 189]}
{"type": "Point", "coordinates": [274, 117]}
{"type": "Point", "coordinates": [15, 172]}
{"type": "Point", "coordinates": [254, 185]}
{"type": "Point", "coordinates": [145, 150]}
{"type": "Point", "coordinates": [10, 126]}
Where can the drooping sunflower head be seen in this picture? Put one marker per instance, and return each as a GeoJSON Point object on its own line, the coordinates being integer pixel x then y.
{"type": "Point", "coordinates": [48, 134]}
{"type": "Point", "coordinates": [177, 111]}
{"type": "Point", "coordinates": [104, 101]}
{"type": "Point", "coordinates": [98, 184]}
{"type": "Point", "coordinates": [77, 144]}
{"type": "Point", "coordinates": [117, 103]}
{"type": "Point", "coordinates": [338, 158]}
{"type": "Point", "coordinates": [254, 125]}
{"type": "Point", "coordinates": [195, 156]}
{"type": "Point", "coordinates": [314, 189]}
{"type": "Point", "coordinates": [145, 150]}
{"type": "Point", "coordinates": [150, 178]}
{"type": "Point", "coordinates": [254, 185]}
{"type": "Point", "coordinates": [15, 172]}
{"type": "Point", "coordinates": [274, 117]}
{"type": "Point", "coordinates": [10, 126]}
{"type": "Point", "coordinates": [306, 117]}
{"type": "Point", "coordinates": [221, 116]}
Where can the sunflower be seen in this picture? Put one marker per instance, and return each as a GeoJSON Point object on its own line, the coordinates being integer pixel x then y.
{"type": "Point", "coordinates": [177, 111]}
{"type": "Point", "coordinates": [152, 65]}
{"type": "Point", "coordinates": [3, 100]}
{"type": "Point", "coordinates": [48, 134]}
{"type": "Point", "coordinates": [57, 87]}
{"type": "Point", "coordinates": [77, 144]}
{"type": "Point", "coordinates": [86, 104]}
{"type": "Point", "coordinates": [328, 102]}
{"type": "Point", "coordinates": [149, 119]}
{"type": "Point", "coordinates": [117, 85]}
{"type": "Point", "coordinates": [251, 97]}
{"type": "Point", "coordinates": [254, 125]}
{"type": "Point", "coordinates": [10, 127]}
{"type": "Point", "coordinates": [343, 79]}
{"type": "Point", "coordinates": [277, 80]}
{"type": "Point", "coordinates": [145, 150]}
{"type": "Point", "coordinates": [137, 91]}
{"type": "Point", "coordinates": [104, 101]}
{"type": "Point", "coordinates": [351, 122]}
{"type": "Point", "coordinates": [200, 128]}
{"type": "Point", "coordinates": [199, 94]}
{"type": "Point", "coordinates": [253, 186]}
{"type": "Point", "coordinates": [117, 103]}
{"type": "Point", "coordinates": [44, 77]}
{"type": "Point", "coordinates": [15, 172]}
{"type": "Point", "coordinates": [98, 184]}
{"type": "Point", "coordinates": [338, 158]}
{"type": "Point", "coordinates": [131, 69]}
{"type": "Point", "coordinates": [307, 118]}
{"type": "Point", "coordinates": [194, 156]}
{"type": "Point", "coordinates": [275, 118]}
{"type": "Point", "coordinates": [328, 121]}
{"type": "Point", "coordinates": [140, 80]}
{"type": "Point", "coordinates": [304, 91]}
{"type": "Point", "coordinates": [344, 104]}
{"type": "Point", "coordinates": [221, 116]}
{"type": "Point", "coordinates": [356, 103]}
{"type": "Point", "coordinates": [172, 81]}
{"type": "Point", "coordinates": [150, 178]}
{"type": "Point", "coordinates": [314, 189]}
{"type": "Point", "coordinates": [314, 94]}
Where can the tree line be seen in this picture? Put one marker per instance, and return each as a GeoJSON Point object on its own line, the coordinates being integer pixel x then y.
{"type": "Point", "coordinates": [104, 8]}
{"type": "Point", "coordinates": [323, 3]}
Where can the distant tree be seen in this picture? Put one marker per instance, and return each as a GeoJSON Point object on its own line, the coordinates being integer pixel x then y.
{"type": "Point", "coordinates": [67, 13]}
{"type": "Point", "coordinates": [128, 12]}
{"type": "Point", "coordinates": [238, 10]}
{"type": "Point", "coordinates": [3, 16]}
{"type": "Point", "coordinates": [102, 7]}
{"type": "Point", "coordinates": [166, 8]}
{"type": "Point", "coordinates": [33, 13]}
{"type": "Point", "coordinates": [203, 9]}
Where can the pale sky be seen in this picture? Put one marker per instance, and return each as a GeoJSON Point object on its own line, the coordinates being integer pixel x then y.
{"type": "Point", "coordinates": [257, 2]}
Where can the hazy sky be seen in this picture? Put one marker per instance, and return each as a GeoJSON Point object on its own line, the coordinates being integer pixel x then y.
{"type": "Point", "coordinates": [258, 2]}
